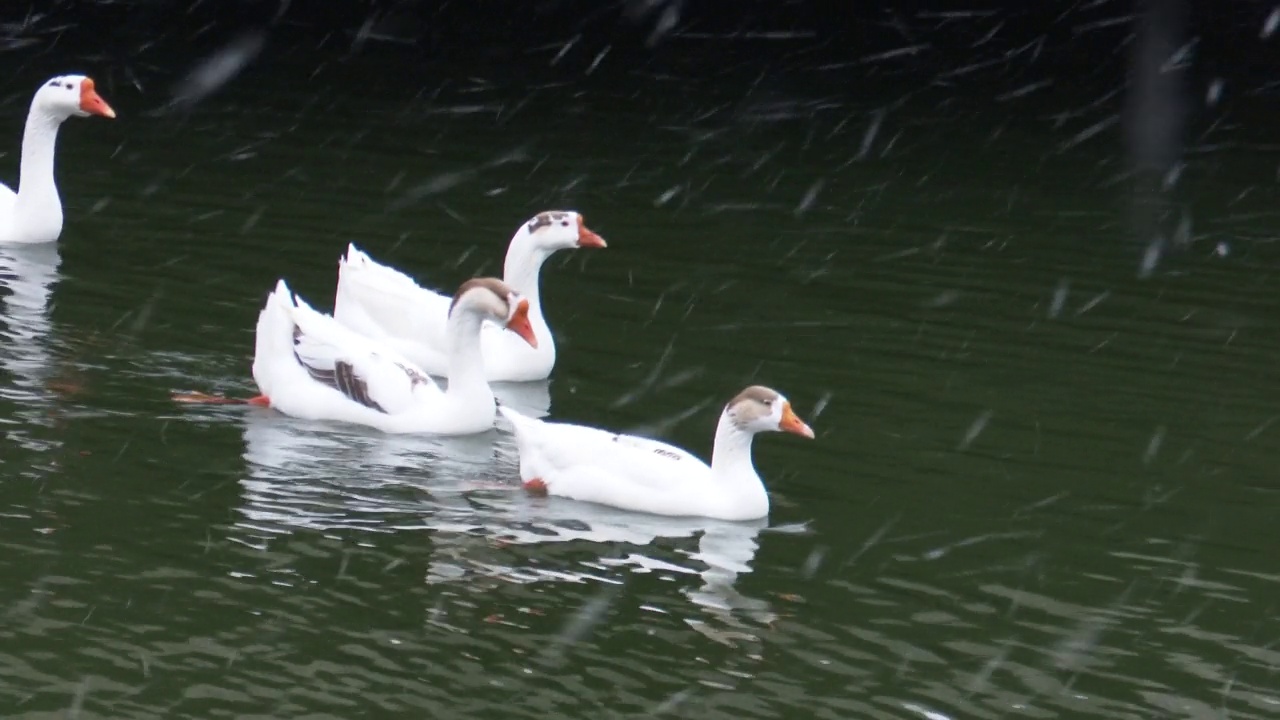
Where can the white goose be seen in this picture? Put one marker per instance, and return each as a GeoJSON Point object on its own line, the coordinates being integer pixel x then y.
{"type": "Point", "coordinates": [635, 473]}
{"type": "Point", "coordinates": [34, 213]}
{"type": "Point", "coordinates": [384, 303]}
{"type": "Point", "coordinates": [309, 366]}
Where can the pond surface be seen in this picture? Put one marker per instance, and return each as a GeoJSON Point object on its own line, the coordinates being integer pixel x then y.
{"type": "Point", "coordinates": [1040, 487]}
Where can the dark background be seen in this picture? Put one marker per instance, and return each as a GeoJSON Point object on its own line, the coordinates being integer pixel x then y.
{"type": "Point", "coordinates": [1088, 35]}
{"type": "Point", "coordinates": [1155, 80]}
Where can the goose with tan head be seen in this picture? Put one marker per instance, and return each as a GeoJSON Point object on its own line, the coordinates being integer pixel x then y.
{"type": "Point", "coordinates": [309, 366]}
{"type": "Point", "coordinates": [384, 303]}
{"type": "Point", "coordinates": [644, 475]}
{"type": "Point", "coordinates": [33, 214]}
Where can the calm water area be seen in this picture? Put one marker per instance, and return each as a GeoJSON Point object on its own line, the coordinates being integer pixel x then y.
{"type": "Point", "coordinates": [1041, 487]}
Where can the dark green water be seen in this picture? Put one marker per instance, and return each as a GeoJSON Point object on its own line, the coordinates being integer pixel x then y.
{"type": "Point", "coordinates": [1040, 488]}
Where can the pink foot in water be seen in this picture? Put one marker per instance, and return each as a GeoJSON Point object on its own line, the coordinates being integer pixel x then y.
{"type": "Point", "coordinates": [199, 398]}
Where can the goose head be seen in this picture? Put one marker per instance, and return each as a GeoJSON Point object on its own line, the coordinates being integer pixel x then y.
{"type": "Point", "coordinates": [761, 409]}
{"type": "Point", "coordinates": [71, 95]}
{"type": "Point", "coordinates": [494, 300]}
{"type": "Point", "coordinates": [561, 230]}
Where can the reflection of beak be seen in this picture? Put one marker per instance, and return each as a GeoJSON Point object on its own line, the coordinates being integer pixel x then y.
{"type": "Point", "coordinates": [793, 424]}
{"type": "Point", "coordinates": [586, 238]}
{"type": "Point", "coordinates": [91, 102]}
{"type": "Point", "coordinates": [519, 324]}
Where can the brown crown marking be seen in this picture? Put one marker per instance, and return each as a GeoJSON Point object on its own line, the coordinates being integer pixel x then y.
{"type": "Point", "coordinates": [759, 393]}
{"type": "Point", "coordinates": [494, 285]}
{"type": "Point", "coordinates": [544, 219]}
{"type": "Point", "coordinates": [751, 404]}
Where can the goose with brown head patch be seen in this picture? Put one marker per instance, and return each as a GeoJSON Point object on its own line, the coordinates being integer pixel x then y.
{"type": "Point", "coordinates": [382, 302]}
{"type": "Point", "coordinates": [644, 475]}
{"type": "Point", "coordinates": [310, 366]}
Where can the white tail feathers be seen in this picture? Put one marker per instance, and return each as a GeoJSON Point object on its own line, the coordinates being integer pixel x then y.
{"type": "Point", "coordinates": [357, 267]}
{"type": "Point", "coordinates": [520, 422]}
{"type": "Point", "coordinates": [522, 425]}
{"type": "Point", "coordinates": [354, 256]}
{"type": "Point", "coordinates": [514, 416]}
{"type": "Point", "coordinates": [274, 338]}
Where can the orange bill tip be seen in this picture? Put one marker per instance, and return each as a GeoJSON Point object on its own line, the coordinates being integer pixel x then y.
{"type": "Point", "coordinates": [587, 238]}
{"type": "Point", "coordinates": [91, 102]}
{"type": "Point", "coordinates": [793, 424]}
{"type": "Point", "coordinates": [519, 324]}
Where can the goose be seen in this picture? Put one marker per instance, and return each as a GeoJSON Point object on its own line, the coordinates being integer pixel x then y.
{"type": "Point", "coordinates": [34, 213]}
{"type": "Point", "coordinates": [309, 366]}
{"type": "Point", "coordinates": [384, 303]}
{"type": "Point", "coordinates": [639, 474]}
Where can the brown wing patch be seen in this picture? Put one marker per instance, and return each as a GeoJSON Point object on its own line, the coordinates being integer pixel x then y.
{"type": "Point", "coordinates": [655, 450]}
{"type": "Point", "coordinates": [342, 378]}
{"type": "Point", "coordinates": [415, 378]}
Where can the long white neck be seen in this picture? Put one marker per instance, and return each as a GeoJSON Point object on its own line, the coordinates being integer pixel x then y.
{"type": "Point", "coordinates": [38, 211]}
{"type": "Point", "coordinates": [731, 465]}
{"type": "Point", "coordinates": [521, 270]}
{"type": "Point", "coordinates": [468, 386]}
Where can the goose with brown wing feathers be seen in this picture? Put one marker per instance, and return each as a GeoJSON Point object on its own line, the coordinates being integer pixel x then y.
{"type": "Point", "coordinates": [309, 366]}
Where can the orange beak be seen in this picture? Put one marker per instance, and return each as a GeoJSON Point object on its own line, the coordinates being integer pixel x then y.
{"type": "Point", "coordinates": [792, 423]}
{"type": "Point", "coordinates": [588, 239]}
{"type": "Point", "coordinates": [92, 103]}
{"type": "Point", "coordinates": [519, 324]}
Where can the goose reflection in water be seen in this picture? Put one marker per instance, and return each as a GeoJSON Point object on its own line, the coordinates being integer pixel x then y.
{"type": "Point", "coordinates": [315, 476]}
{"type": "Point", "coordinates": [27, 352]}
{"type": "Point", "coordinates": [726, 549]}
{"type": "Point", "coordinates": [27, 273]}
